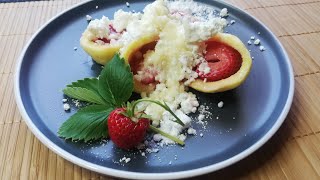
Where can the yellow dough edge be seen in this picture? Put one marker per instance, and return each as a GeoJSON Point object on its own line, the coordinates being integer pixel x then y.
{"type": "Point", "coordinates": [137, 44]}
{"type": "Point", "coordinates": [234, 80]}
{"type": "Point", "coordinates": [99, 53]}
{"type": "Point", "coordinates": [133, 47]}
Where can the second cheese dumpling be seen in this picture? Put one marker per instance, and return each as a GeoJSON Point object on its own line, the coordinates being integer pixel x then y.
{"type": "Point", "coordinates": [144, 78]}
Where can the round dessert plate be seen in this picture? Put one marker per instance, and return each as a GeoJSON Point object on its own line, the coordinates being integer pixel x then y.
{"type": "Point", "coordinates": [251, 114]}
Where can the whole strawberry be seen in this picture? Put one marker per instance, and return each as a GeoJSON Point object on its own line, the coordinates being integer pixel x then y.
{"type": "Point", "coordinates": [126, 132]}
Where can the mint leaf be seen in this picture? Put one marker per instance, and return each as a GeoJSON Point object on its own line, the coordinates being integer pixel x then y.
{"type": "Point", "coordinates": [116, 81]}
{"type": "Point", "coordinates": [88, 83]}
{"type": "Point", "coordinates": [84, 94]}
{"type": "Point", "coordinates": [89, 123]}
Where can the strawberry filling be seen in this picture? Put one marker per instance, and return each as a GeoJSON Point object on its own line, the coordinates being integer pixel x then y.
{"type": "Point", "coordinates": [146, 75]}
{"type": "Point", "coordinates": [112, 29]}
{"type": "Point", "coordinates": [222, 60]}
{"type": "Point", "coordinates": [179, 13]}
{"type": "Point", "coordinates": [106, 40]}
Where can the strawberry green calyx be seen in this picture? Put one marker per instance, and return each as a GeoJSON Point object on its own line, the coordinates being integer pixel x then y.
{"type": "Point", "coordinates": [130, 113]}
{"type": "Point", "coordinates": [132, 107]}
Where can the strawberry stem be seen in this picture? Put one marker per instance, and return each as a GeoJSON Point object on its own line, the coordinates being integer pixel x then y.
{"type": "Point", "coordinates": [165, 106]}
{"type": "Point", "coordinates": [173, 138]}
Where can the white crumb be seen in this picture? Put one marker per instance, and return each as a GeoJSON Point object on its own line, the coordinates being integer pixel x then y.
{"type": "Point", "coordinates": [201, 117]}
{"type": "Point", "coordinates": [88, 17]}
{"type": "Point", "coordinates": [66, 107]}
{"type": "Point", "coordinates": [76, 102]}
{"type": "Point", "coordinates": [182, 137]}
{"type": "Point", "coordinates": [125, 159]}
{"type": "Point", "coordinates": [262, 48]}
{"type": "Point", "coordinates": [153, 150]}
{"type": "Point", "coordinates": [224, 12]}
{"type": "Point", "coordinates": [157, 137]}
{"type": "Point", "coordinates": [128, 160]}
{"type": "Point", "coordinates": [257, 42]}
{"type": "Point", "coordinates": [192, 131]}
{"type": "Point", "coordinates": [220, 104]}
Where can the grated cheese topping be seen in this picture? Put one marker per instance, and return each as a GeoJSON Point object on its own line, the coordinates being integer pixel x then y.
{"type": "Point", "coordinates": [182, 27]}
{"type": "Point", "coordinates": [99, 27]}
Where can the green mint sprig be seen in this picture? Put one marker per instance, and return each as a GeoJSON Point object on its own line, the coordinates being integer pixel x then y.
{"type": "Point", "coordinates": [111, 90]}
{"type": "Point", "coordinates": [114, 86]}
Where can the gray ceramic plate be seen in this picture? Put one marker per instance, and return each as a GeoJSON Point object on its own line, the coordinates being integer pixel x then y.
{"type": "Point", "coordinates": [259, 106]}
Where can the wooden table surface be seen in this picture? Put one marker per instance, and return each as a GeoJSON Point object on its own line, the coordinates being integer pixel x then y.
{"type": "Point", "coordinates": [292, 153]}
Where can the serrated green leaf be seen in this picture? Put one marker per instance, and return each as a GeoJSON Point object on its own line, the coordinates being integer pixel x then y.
{"type": "Point", "coordinates": [84, 94]}
{"type": "Point", "coordinates": [89, 123]}
{"type": "Point", "coordinates": [116, 81]}
{"type": "Point", "coordinates": [88, 83]}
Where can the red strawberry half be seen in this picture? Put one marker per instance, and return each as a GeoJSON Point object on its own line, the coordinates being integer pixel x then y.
{"type": "Point", "coordinates": [124, 132]}
{"type": "Point", "coordinates": [223, 61]}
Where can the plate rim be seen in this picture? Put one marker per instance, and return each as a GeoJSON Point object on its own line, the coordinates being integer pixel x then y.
{"type": "Point", "coordinates": [139, 175]}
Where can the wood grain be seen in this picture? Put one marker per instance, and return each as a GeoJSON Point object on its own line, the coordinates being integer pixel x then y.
{"type": "Point", "coordinates": [302, 61]}
{"type": "Point", "coordinates": [290, 19]}
{"type": "Point", "coordinates": [293, 153]}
